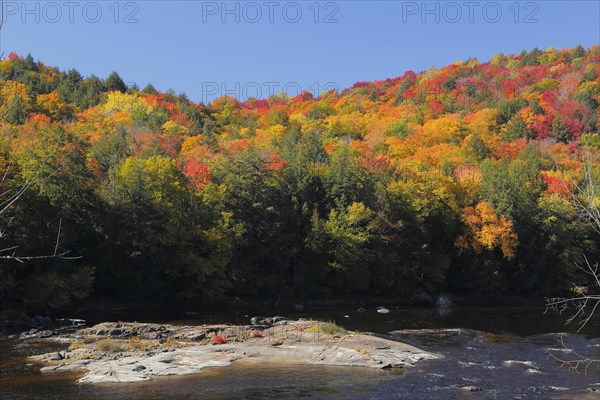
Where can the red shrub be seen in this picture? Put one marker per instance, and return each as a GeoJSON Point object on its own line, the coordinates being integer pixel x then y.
{"type": "Point", "coordinates": [220, 339]}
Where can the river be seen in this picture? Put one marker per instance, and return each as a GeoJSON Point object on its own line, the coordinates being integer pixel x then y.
{"type": "Point", "coordinates": [498, 353]}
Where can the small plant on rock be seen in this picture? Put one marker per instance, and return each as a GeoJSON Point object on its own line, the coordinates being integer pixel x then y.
{"type": "Point", "coordinates": [136, 343]}
{"type": "Point", "coordinates": [328, 328]}
{"type": "Point", "coordinates": [76, 345]}
{"type": "Point", "coordinates": [109, 346]}
{"type": "Point", "coordinates": [220, 339]}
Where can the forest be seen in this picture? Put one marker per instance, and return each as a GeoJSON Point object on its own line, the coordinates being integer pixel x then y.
{"type": "Point", "coordinates": [458, 180]}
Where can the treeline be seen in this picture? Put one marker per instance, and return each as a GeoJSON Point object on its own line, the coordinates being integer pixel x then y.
{"type": "Point", "coordinates": [455, 180]}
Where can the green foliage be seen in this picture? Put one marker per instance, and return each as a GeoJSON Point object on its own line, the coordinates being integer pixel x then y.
{"type": "Point", "coordinates": [115, 82]}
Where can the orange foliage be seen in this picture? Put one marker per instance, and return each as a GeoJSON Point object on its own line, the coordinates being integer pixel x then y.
{"type": "Point", "coordinates": [485, 230]}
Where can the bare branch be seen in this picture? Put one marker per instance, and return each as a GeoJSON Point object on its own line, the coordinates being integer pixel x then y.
{"type": "Point", "coordinates": [21, 259]}
{"type": "Point", "coordinates": [576, 362]}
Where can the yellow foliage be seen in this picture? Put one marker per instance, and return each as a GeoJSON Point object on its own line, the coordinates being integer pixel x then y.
{"type": "Point", "coordinates": [193, 147]}
{"type": "Point", "coordinates": [441, 130]}
{"type": "Point", "coordinates": [485, 230]}
{"type": "Point", "coordinates": [174, 128]}
{"type": "Point", "coordinates": [117, 101]}
{"type": "Point", "coordinates": [10, 92]}
{"type": "Point", "coordinates": [484, 123]}
{"type": "Point", "coordinates": [51, 105]}
{"type": "Point", "coordinates": [6, 69]}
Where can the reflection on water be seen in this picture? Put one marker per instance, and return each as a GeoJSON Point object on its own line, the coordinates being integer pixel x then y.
{"type": "Point", "coordinates": [497, 353]}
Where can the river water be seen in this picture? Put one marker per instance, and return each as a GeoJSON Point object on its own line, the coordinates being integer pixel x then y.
{"type": "Point", "coordinates": [504, 353]}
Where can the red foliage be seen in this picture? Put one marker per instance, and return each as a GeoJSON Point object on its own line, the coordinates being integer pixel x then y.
{"type": "Point", "coordinates": [170, 144]}
{"type": "Point", "coordinates": [275, 163]}
{"type": "Point", "coordinates": [157, 99]}
{"type": "Point", "coordinates": [305, 96]}
{"type": "Point", "coordinates": [255, 104]}
{"type": "Point", "coordinates": [256, 334]}
{"type": "Point", "coordinates": [220, 339]}
{"type": "Point", "coordinates": [436, 107]}
{"type": "Point", "coordinates": [409, 94]}
{"type": "Point", "coordinates": [575, 126]}
{"type": "Point", "coordinates": [239, 145]}
{"type": "Point", "coordinates": [542, 126]}
{"type": "Point", "coordinates": [555, 185]}
{"type": "Point", "coordinates": [199, 174]}
{"type": "Point", "coordinates": [509, 149]}
{"type": "Point", "coordinates": [510, 88]}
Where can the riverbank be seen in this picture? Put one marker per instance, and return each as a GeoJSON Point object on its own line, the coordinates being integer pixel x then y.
{"type": "Point", "coordinates": [133, 352]}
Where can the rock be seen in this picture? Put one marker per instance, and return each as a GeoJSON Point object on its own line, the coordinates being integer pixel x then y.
{"type": "Point", "coordinates": [257, 327]}
{"type": "Point", "coordinates": [267, 321]}
{"type": "Point", "coordinates": [198, 337]}
{"type": "Point", "coordinates": [286, 343]}
{"type": "Point", "coordinates": [471, 388]}
{"type": "Point", "coordinates": [70, 322]}
{"type": "Point", "coordinates": [154, 336]}
{"type": "Point", "coordinates": [44, 334]}
{"type": "Point", "coordinates": [257, 320]}
{"type": "Point", "coordinates": [56, 356]}
{"type": "Point", "coordinates": [31, 334]}
{"type": "Point", "coordinates": [382, 310]}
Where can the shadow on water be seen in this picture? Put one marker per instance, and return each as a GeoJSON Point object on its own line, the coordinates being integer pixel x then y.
{"type": "Point", "coordinates": [499, 353]}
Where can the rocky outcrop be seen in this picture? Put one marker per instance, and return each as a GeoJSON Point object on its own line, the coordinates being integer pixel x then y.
{"type": "Point", "coordinates": [130, 352]}
{"type": "Point", "coordinates": [17, 322]}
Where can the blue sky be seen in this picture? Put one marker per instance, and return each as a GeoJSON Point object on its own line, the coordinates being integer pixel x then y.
{"type": "Point", "coordinates": [250, 48]}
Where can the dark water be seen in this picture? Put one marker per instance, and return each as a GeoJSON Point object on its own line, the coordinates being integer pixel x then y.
{"type": "Point", "coordinates": [502, 351]}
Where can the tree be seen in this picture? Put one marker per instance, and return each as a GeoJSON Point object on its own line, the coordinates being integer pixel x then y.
{"type": "Point", "coordinates": [480, 150]}
{"type": "Point", "coordinates": [485, 230]}
{"type": "Point", "coordinates": [586, 302]}
{"type": "Point", "coordinates": [149, 89]}
{"type": "Point", "coordinates": [115, 82]}
{"type": "Point", "coordinates": [347, 182]}
{"type": "Point", "coordinates": [559, 131]}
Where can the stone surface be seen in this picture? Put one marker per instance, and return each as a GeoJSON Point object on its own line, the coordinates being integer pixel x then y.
{"type": "Point", "coordinates": [130, 352]}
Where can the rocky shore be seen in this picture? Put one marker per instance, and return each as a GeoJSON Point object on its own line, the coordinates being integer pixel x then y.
{"type": "Point", "coordinates": [132, 352]}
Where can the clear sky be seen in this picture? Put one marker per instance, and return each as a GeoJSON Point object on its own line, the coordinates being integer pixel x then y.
{"type": "Point", "coordinates": [250, 48]}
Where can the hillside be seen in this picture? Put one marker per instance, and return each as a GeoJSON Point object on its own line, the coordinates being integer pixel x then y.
{"type": "Point", "coordinates": [452, 180]}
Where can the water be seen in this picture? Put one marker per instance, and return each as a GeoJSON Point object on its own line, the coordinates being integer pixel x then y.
{"type": "Point", "coordinates": [504, 352]}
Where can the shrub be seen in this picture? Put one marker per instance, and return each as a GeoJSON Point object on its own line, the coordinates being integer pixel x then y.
{"type": "Point", "coordinates": [220, 339]}
{"type": "Point", "coordinates": [328, 328]}
{"type": "Point", "coordinates": [137, 343]}
{"type": "Point", "coordinates": [76, 345]}
{"type": "Point", "coordinates": [109, 346]}
{"type": "Point", "coordinates": [256, 334]}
